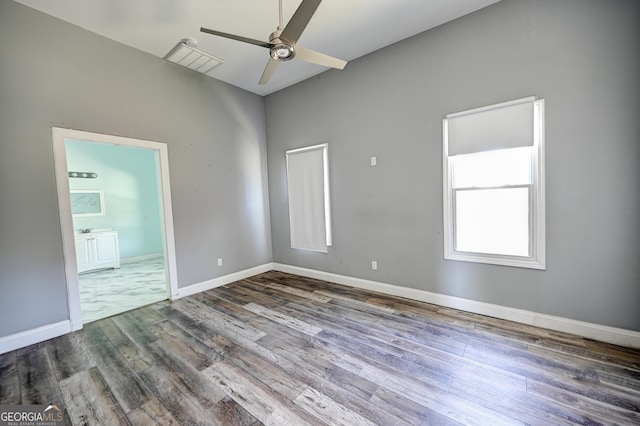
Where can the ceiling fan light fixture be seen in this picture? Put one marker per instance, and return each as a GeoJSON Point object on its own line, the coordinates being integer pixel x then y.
{"type": "Point", "coordinates": [282, 52]}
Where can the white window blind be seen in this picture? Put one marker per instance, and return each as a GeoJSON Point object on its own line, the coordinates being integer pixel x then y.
{"type": "Point", "coordinates": [508, 125]}
{"type": "Point", "coordinates": [308, 190]}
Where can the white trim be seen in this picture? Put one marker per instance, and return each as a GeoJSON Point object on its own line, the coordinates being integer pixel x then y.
{"type": "Point", "coordinates": [220, 281]}
{"type": "Point", "coordinates": [66, 222]}
{"type": "Point", "coordinates": [142, 258]}
{"type": "Point", "coordinates": [306, 148]}
{"type": "Point", "coordinates": [617, 336]}
{"type": "Point", "coordinates": [35, 335]}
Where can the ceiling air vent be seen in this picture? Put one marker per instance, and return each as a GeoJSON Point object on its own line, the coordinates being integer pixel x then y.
{"type": "Point", "coordinates": [187, 54]}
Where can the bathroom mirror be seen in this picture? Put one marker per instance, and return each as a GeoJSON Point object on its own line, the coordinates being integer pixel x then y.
{"type": "Point", "coordinates": [87, 202]}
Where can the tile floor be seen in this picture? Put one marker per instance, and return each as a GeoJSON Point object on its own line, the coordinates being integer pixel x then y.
{"type": "Point", "coordinates": [113, 291]}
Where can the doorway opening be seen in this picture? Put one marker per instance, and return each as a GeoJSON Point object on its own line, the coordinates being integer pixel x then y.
{"type": "Point", "coordinates": [117, 227]}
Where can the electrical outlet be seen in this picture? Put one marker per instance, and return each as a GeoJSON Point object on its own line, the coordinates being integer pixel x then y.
{"type": "Point", "coordinates": [374, 161]}
{"type": "Point", "coordinates": [220, 261]}
{"type": "Point", "coordinates": [374, 265]}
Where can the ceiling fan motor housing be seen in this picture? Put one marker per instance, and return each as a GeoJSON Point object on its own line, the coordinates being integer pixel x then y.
{"type": "Point", "coordinates": [281, 50]}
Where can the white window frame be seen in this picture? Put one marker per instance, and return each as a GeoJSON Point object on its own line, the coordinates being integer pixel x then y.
{"type": "Point", "coordinates": [327, 203]}
{"type": "Point", "coordinates": [537, 197]}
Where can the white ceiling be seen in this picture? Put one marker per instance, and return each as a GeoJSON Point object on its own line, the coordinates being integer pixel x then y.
{"type": "Point", "coordinates": [346, 29]}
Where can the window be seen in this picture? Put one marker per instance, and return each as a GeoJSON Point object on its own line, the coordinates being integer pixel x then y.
{"type": "Point", "coordinates": [308, 190]}
{"type": "Point", "coordinates": [494, 184]}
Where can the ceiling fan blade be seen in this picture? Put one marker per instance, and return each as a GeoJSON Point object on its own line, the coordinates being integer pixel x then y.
{"type": "Point", "coordinates": [308, 55]}
{"type": "Point", "coordinates": [298, 22]}
{"type": "Point", "coordinates": [235, 37]}
{"type": "Point", "coordinates": [268, 71]}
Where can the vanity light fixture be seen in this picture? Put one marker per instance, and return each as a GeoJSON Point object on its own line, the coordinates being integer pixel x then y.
{"type": "Point", "coordinates": [86, 175]}
{"type": "Point", "coordinates": [187, 54]}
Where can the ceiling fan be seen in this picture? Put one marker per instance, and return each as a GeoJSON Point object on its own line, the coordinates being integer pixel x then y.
{"type": "Point", "coordinates": [282, 42]}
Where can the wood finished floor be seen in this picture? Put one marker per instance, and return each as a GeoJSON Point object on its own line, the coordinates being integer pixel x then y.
{"type": "Point", "coordinates": [278, 349]}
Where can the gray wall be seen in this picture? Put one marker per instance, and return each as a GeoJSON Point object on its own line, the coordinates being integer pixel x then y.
{"type": "Point", "coordinates": [55, 74]}
{"type": "Point", "coordinates": [581, 56]}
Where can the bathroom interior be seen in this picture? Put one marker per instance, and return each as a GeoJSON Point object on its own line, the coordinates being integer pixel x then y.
{"type": "Point", "coordinates": [115, 203]}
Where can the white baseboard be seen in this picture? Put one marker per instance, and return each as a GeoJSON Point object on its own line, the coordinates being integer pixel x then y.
{"type": "Point", "coordinates": [617, 336]}
{"type": "Point", "coordinates": [134, 259]}
{"type": "Point", "coordinates": [220, 281]}
{"type": "Point", "coordinates": [35, 335]}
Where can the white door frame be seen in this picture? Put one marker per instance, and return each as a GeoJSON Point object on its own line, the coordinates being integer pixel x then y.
{"type": "Point", "coordinates": [66, 221]}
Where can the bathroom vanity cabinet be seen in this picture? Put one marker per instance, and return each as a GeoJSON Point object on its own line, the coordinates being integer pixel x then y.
{"type": "Point", "coordinates": [97, 250]}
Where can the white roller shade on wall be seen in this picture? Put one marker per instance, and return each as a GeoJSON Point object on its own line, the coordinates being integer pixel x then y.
{"type": "Point", "coordinates": [506, 125]}
{"type": "Point", "coordinates": [308, 198]}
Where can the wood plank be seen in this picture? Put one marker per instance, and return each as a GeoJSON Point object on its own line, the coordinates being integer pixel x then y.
{"type": "Point", "coordinates": [135, 331]}
{"type": "Point", "coordinates": [240, 314]}
{"type": "Point", "coordinates": [497, 324]}
{"type": "Point", "coordinates": [528, 364]}
{"type": "Point", "coordinates": [184, 376]}
{"type": "Point", "coordinates": [350, 330]}
{"type": "Point", "coordinates": [197, 328]}
{"type": "Point", "coordinates": [429, 396]}
{"type": "Point", "coordinates": [185, 410]}
{"type": "Point", "coordinates": [283, 319]}
{"type": "Point", "coordinates": [556, 374]}
{"type": "Point", "coordinates": [92, 334]}
{"type": "Point", "coordinates": [390, 328]}
{"type": "Point", "coordinates": [307, 363]}
{"type": "Point", "coordinates": [262, 402]}
{"type": "Point", "coordinates": [266, 294]}
{"type": "Point", "coordinates": [590, 405]}
{"type": "Point", "coordinates": [328, 410]}
{"type": "Point", "coordinates": [125, 384]}
{"type": "Point", "coordinates": [410, 411]}
{"type": "Point", "coordinates": [89, 400]}
{"type": "Point", "coordinates": [9, 380]}
{"type": "Point", "coordinates": [125, 346]}
{"type": "Point", "coordinates": [314, 296]}
{"type": "Point", "coordinates": [69, 355]}
{"type": "Point", "coordinates": [241, 296]}
{"type": "Point", "coordinates": [420, 311]}
{"type": "Point", "coordinates": [459, 368]}
{"type": "Point", "coordinates": [184, 345]}
{"type": "Point", "coordinates": [235, 415]}
{"type": "Point", "coordinates": [221, 323]}
{"type": "Point", "coordinates": [152, 413]}
{"type": "Point", "coordinates": [516, 403]}
{"type": "Point", "coordinates": [620, 379]}
{"type": "Point", "coordinates": [320, 366]}
{"type": "Point", "coordinates": [38, 383]}
{"type": "Point", "coordinates": [147, 315]}
{"type": "Point", "coordinates": [268, 373]}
